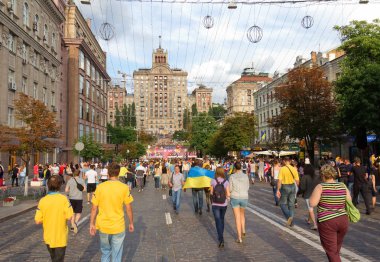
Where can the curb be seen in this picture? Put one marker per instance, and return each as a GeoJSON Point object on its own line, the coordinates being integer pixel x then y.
{"type": "Point", "coordinates": [6, 218]}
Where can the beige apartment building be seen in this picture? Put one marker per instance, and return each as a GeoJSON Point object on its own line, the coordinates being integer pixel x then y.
{"type": "Point", "coordinates": [87, 82]}
{"type": "Point", "coordinates": [202, 98]}
{"type": "Point", "coordinates": [31, 33]}
{"type": "Point", "coordinates": [240, 93]}
{"type": "Point", "coordinates": [160, 96]}
{"type": "Point", "coordinates": [116, 99]}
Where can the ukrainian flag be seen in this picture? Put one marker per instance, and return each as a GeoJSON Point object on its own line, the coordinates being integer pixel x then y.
{"type": "Point", "coordinates": [199, 178]}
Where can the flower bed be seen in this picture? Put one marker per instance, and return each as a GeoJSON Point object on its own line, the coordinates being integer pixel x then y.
{"type": "Point", "coordinates": [10, 202]}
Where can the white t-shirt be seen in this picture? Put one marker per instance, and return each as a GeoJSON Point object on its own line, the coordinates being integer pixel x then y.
{"type": "Point", "coordinates": [91, 176]}
{"type": "Point", "coordinates": [55, 170]}
{"type": "Point", "coordinates": [104, 173]}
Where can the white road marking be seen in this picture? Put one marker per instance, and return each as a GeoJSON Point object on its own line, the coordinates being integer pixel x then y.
{"type": "Point", "coordinates": [164, 197]}
{"type": "Point", "coordinates": [83, 220]}
{"type": "Point", "coordinates": [378, 203]}
{"type": "Point", "coordinates": [168, 218]}
{"type": "Point", "coordinates": [278, 222]}
{"type": "Point", "coordinates": [266, 190]}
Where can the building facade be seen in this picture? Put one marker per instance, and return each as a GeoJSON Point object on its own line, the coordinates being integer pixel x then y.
{"type": "Point", "coordinates": [87, 82]}
{"type": "Point", "coordinates": [116, 99]}
{"type": "Point", "coordinates": [31, 33]}
{"type": "Point", "coordinates": [240, 93]}
{"type": "Point", "coordinates": [160, 96]}
{"type": "Point", "coordinates": [202, 98]}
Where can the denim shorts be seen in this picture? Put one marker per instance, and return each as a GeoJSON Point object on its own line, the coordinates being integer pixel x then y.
{"type": "Point", "coordinates": [242, 203]}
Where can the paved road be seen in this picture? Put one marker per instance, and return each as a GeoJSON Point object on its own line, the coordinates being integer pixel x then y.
{"type": "Point", "coordinates": [189, 237]}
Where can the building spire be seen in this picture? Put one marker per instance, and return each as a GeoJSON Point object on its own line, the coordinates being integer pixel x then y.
{"type": "Point", "coordinates": [159, 42]}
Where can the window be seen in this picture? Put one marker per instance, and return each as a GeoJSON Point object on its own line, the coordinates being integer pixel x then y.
{"type": "Point", "coordinates": [11, 42]}
{"type": "Point", "coordinates": [88, 67]}
{"type": "Point", "coordinates": [92, 73]}
{"type": "Point", "coordinates": [36, 23]}
{"type": "Point", "coordinates": [10, 117]}
{"type": "Point", "coordinates": [35, 88]}
{"type": "Point", "coordinates": [46, 32]}
{"type": "Point", "coordinates": [52, 99]}
{"type": "Point", "coordinates": [24, 85]}
{"type": "Point", "coordinates": [87, 89]}
{"type": "Point", "coordinates": [24, 51]}
{"type": "Point", "coordinates": [93, 115]}
{"type": "Point", "coordinates": [25, 14]}
{"type": "Point", "coordinates": [53, 41]}
{"type": "Point", "coordinates": [81, 130]}
{"type": "Point", "coordinates": [34, 58]}
{"type": "Point", "coordinates": [87, 130]}
{"type": "Point", "coordinates": [11, 77]}
{"type": "Point", "coordinates": [87, 112]}
{"type": "Point", "coordinates": [44, 98]}
{"type": "Point", "coordinates": [81, 60]}
{"type": "Point", "coordinates": [81, 87]}
{"type": "Point", "coordinates": [80, 109]}
{"type": "Point", "coordinates": [93, 132]}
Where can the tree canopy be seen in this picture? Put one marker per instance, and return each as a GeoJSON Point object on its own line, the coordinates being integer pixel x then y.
{"type": "Point", "coordinates": [217, 112]}
{"type": "Point", "coordinates": [308, 107]}
{"type": "Point", "coordinates": [358, 87]}
{"type": "Point", "coordinates": [203, 127]}
{"type": "Point", "coordinates": [92, 149]}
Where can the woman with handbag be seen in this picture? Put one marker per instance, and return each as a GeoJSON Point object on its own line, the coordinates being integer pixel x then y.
{"type": "Point", "coordinates": [73, 187]}
{"type": "Point", "coordinates": [330, 198]}
{"type": "Point", "coordinates": [275, 170]}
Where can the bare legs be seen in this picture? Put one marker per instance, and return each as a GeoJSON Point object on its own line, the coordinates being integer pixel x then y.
{"type": "Point", "coordinates": [240, 222]}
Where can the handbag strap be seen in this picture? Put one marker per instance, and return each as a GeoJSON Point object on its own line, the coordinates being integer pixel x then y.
{"type": "Point", "coordinates": [291, 172]}
{"type": "Point", "coordinates": [75, 180]}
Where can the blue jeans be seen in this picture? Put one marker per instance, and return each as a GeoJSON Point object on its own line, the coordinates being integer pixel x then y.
{"type": "Point", "coordinates": [22, 181]}
{"type": "Point", "coordinates": [111, 245]}
{"type": "Point", "coordinates": [185, 173]}
{"type": "Point", "coordinates": [219, 213]}
{"type": "Point", "coordinates": [156, 182]}
{"type": "Point", "coordinates": [351, 188]}
{"type": "Point", "coordinates": [197, 199]}
{"type": "Point", "coordinates": [287, 200]}
{"type": "Point", "coordinates": [176, 198]}
{"type": "Point", "coordinates": [275, 191]}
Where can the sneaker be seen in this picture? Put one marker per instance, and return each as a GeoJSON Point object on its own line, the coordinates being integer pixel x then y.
{"type": "Point", "coordinates": [289, 222]}
{"type": "Point", "coordinates": [221, 244]}
{"type": "Point", "coordinates": [75, 228]}
{"type": "Point", "coordinates": [71, 229]}
{"type": "Point", "coordinates": [243, 234]}
{"type": "Point", "coordinates": [314, 228]}
{"type": "Point", "coordinates": [239, 241]}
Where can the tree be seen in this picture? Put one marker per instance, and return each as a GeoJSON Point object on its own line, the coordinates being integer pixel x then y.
{"type": "Point", "coordinates": [358, 87]}
{"type": "Point", "coordinates": [92, 149]}
{"type": "Point", "coordinates": [238, 131]}
{"type": "Point", "coordinates": [39, 129]}
{"type": "Point", "coordinates": [146, 138]}
{"type": "Point", "coordinates": [133, 115]}
{"type": "Point", "coordinates": [217, 112]}
{"type": "Point", "coordinates": [216, 146]}
{"type": "Point", "coordinates": [307, 107]}
{"type": "Point", "coordinates": [202, 128]}
{"type": "Point", "coordinates": [186, 119]}
{"type": "Point", "coordinates": [118, 117]}
{"type": "Point", "coordinates": [181, 135]}
{"type": "Point", "coordinates": [194, 110]}
{"type": "Point", "coordinates": [133, 150]}
{"type": "Point", "coordinates": [120, 134]}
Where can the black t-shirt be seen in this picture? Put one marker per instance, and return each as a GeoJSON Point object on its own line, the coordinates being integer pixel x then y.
{"type": "Point", "coordinates": [375, 172]}
{"type": "Point", "coordinates": [344, 169]}
{"type": "Point", "coordinates": [15, 171]}
{"type": "Point", "coordinates": [359, 174]}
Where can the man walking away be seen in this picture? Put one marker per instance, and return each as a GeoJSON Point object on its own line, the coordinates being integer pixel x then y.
{"type": "Point", "coordinates": [92, 178]}
{"type": "Point", "coordinates": [286, 190]}
{"type": "Point", "coordinates": [361, 184]}
{"type": "Point", "coordinates": [15, 172]}
{"type": "Point", "coordinates": [53, 211]}
{"type": "Point", "coordinates": [109, 198]}
{"type": "Point", "coordinates": [140, 172]}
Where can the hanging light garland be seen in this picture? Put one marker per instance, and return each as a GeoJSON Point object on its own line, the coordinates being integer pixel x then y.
{"type": "Point", "coordinates": [208, 22]}
{"type": "Point", "coordinates": [307, 22]}
{"type": "Point", "coordinates": [107, 31]}
{"type": "Point", "coordinates": [255, 34]}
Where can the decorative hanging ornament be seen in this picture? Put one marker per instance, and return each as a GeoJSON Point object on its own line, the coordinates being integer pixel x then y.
{"type": "Point", "coordinates": [307, 22]}
{"type": "Point", "coordinates": [107, 31]}
{"type": "Point", "coordinates": [208, 22]}
{"type": "Point", "coordinates": [255, 34]}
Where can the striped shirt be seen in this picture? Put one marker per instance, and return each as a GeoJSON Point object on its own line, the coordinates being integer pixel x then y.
{"type": "Point", "coordinates": [333, 201]}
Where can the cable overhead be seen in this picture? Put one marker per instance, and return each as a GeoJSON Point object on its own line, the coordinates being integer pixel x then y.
{"type": "Point", "coordinates": [188, 35]}
{"type": "Point", "coordinates": [133, 36]}
{"type": "Point", "coordinates": [196, 40]}
{"type": "Point", "coordinates": [142, 34]}
{"type": "Point", "coordinates": [179, 37]}
{"type": "Point", "coordinates": [125, 36]}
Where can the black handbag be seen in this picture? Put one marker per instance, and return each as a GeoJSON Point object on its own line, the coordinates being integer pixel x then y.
{"type": "Point", "coordinates": [79, 186]}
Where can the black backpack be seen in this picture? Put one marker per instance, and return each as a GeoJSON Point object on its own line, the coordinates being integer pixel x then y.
{"type": "Point", "coordinates": [219, 194]}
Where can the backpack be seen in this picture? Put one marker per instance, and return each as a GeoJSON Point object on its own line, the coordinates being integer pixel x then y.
{"type": "Point", "coordinates": [244, 166]}
{"type": "Point", "coordinates": [219, 194]}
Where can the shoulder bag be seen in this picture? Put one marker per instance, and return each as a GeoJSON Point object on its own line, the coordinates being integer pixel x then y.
{"type": "Point", "coordinates": [79, 186]}
{"type": "Point", "coordinates": [352, 212]}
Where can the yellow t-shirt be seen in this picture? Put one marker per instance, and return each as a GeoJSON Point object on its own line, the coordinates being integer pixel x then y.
{"type": "Point", "coordinates": [123, 171]}
{"type": "Point", "coordinates": [110, 197]}
{"type": "Point", "coordinates": [286, 176]}
{"type": "Point", "coordinates": [53, 211]}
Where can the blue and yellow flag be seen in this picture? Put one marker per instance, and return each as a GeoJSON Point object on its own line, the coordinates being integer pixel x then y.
{"type": "Point", "coordinates": [199, 178]}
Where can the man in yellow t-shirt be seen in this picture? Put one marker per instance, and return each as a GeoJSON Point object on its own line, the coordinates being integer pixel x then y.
{"type": "Point", "coordinates": [286, 190]}
{"type": "Point", "coordinates": [53, 212]}
{"type": "Point", "coordinates": [109, 198]}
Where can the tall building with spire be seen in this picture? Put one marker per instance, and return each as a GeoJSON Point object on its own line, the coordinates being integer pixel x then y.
{"type": "Point", "coordinates": [160, 95]}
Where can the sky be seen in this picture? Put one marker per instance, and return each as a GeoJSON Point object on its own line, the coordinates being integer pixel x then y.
{"type": "Point", "coordinates": [217, 56]}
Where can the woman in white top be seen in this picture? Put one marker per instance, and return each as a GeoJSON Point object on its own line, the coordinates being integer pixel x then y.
{"type": "Point", "coordinates": [275, 171]}
{"type": "Point", "coordinates": [103, 174]}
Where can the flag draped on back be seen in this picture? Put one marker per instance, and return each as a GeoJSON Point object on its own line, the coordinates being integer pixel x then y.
{"type": "Point", "coordinates": [199, 178]}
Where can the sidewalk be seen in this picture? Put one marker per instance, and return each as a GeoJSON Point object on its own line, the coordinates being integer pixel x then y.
{"type": "Point", "coordinates": [7, 213]}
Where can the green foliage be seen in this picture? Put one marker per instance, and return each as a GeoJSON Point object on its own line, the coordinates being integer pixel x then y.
{"type": "Point", "coordinates": [217, 112]}
{"type": "Point", "coordinates": [118, 117]}
{"type": "Point", "coordinates": [194, 110]}
{"type": "Point", "coordinates": [133, 150]}
{"type": "Point", "coordinates": [203, 127]}
{"type": "Point", "coordinates": [126, 117]}
{"type": "Point", "coordinates": [238, 131]}
{"type": "Point", "coordinates": [181, 135]}
{"type": "Point", "coordinates": [146, 138]}
{"type": "Point", "coordinates": [216, 146]}
{"type": "Point", "coordinates": [358, 87]}
{"type": "Point", "coordinates": [92, 149]}
{"type": "Point", "coordinates": [119, 135]}
{"type": "Point", "coordinates": [186, 119]}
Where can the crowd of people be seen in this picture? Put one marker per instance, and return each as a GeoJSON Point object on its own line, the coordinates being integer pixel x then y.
{"type": "Point", "coordinates": [325, 189]}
